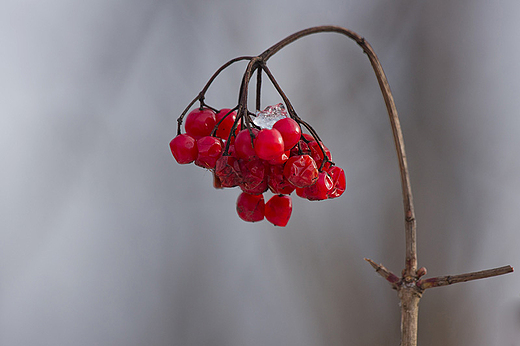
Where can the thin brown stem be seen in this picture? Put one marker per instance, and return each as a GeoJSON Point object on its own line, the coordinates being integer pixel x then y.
{"type": "Point", "coordinates": [453, 279]}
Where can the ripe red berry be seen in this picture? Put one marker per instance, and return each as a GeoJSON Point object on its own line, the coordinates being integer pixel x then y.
{"type": "Point", "coordinates": [210, 149]}
{"type": "Point", "coordinates": [224, 128]}
{"type": "Point", "coordinates": [243, 145]}
{"type": "Point", "coordinates": [321, 189]}
{"type": "Point", "coordinates": [251, 208]}
{"type": "Point", "coordinates": [269, 144]}
{"type": "Point", "coordinates": [339, 182]}
{"type": "Point", "coordinates": [280, 160]}
{"type": "Point", "coordinates": [184, 149]}
{"type": "Point", "coordinates": [278, 210]}
{"type": "Point", "coordinates": [290, 131]}
{"type": "Point", "coordinates": [200, 123]}
{"type": "Point", "coordinates": [301, 171]}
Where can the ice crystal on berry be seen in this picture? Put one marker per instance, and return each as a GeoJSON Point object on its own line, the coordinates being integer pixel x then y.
{"type": "Point", "coordinates": [270, 115]}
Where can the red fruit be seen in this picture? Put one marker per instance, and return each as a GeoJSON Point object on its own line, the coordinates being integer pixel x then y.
{"type": "Point", "coordinates": [339, 182]}
{"type": "Point", "coordinates": [184, 149]}
{"type": "Point", "coordinates": [250, 208]}
{"type": "Point", "coordinates": [290, 131]}
{"type": "Point", "coordinates": [301, 171]}
{"type": "Point", "coordinates": [224, 128]}
{"type": "Point", "coordinates": [269, 144]}
{"type": "Point", "coordinates": [280, 160]}
{"type": "Point", "coordinates": [200, 123]}
{"type": "Point", "coordinates": [210, 149]}
{"type": "Point", "coordinates": [278, 210]}
{"type": "Point", "coordinates": [320, 190]}
{"type": "Point", "coordinates": [254, 176]}
{"type": "Point", "coordinates": [243, 144]}
{"type": "Point", "coordinates": [277, 182]}
{"type": "Point", "coordinates": [228, 171]}
{"type": "Point", "coordinates": [318, 156]}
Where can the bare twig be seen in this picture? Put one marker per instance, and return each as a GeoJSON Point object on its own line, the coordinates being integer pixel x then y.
{"type": "Point", "coordinates": [453, 279]}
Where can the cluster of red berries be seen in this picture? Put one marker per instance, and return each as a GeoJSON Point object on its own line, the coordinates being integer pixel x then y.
{"type": "Point", "coordinates": [281, 159]}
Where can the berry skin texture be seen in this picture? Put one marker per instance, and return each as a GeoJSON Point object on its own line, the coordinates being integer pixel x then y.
{"type": "Point", "coordinates": [290, 131]}
{"type": "Point", "coordinates": [251, 208]}
{"type": "Point", "coordinates": [243, 147]}
{"type": "Point", "coordinates": [210, 150]}
{"type": "Point", "coordinates": [200, 123]}
{"type": "Point", "coordinates": [277, 182]}
{"type": "Point", "coordinates": [227, 171]}
{"type": "Point", "coordinates": [269, 144]}
{"type": "Point", "coordinates": [254, 176]}
{"type": "Point", "coordinates": [278, 210]}
{"type": "Point", "coordinates": [184, 149]}
{"type": "Point", "coordinates": [224, 128]}
{"type": "Point", "coordinates": [339, 182]}
{"type": "Point", "coordinates": [301, 171]}
{"type": "Point", "coordinates": [321, 189]}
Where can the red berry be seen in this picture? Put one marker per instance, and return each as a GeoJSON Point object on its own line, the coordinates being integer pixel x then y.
{"type": "Point", "coordinates": [254, 176]}
{"type": "Point", "coordinates": [210, 149]}
{"type": "Point", "coordinates": [290, 131]}
{"type": "Point", "coordinates": [277, 182]}
{"type": "Point", "coordinates": [228, 171]}
{"type": "Point", "coordinates": [269, 144]}
{"type": "Point", "coordinates": [280, 160]}
{"type": "Point", "coordinates": [184, 149]}
{"type": "Point", "coordinates": [339, 182]}
{"type": "Point", "coordinates": [318, 156]}
{"type": "Point", "coordinates": [278, 210]}
{"type": "Point", "coordinates": [224, 128]}
{"type": "Point", "coordinates": [301, 171]}
{"type": "Point", "coordinates": [320, 190]}
{"type": "Point", "coordinates": [250, 208]}
{"type": "Point", "coordinates": [243, 145]}
{"type": "Point", "coordinates": [200, 123]}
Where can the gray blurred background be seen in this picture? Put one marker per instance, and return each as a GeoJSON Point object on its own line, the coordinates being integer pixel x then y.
{"type": "Point", "coordinates": [105, 240]}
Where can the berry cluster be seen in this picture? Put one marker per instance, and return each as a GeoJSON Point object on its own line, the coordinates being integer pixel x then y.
{"type": "Point", "coordinates": [280, 158]}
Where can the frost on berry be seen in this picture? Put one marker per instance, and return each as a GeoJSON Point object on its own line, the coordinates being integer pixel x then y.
{"type": "Point", "coordinates": [251, 208]}
{"type": "Point", "coordinates": [269, 116]}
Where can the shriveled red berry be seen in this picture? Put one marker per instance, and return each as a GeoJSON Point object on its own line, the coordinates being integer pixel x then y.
{"type": "Point", "coordinates": [277, 182]}
{"type": "Point", "coordinates": [228, 171]}
{"type": "Point", "coordinates": [210, 149]}
{"type": "Point", "coordinates": [251, 208]}
{"type": "Point", "coordinates": [269, 144]}
{"type": "Point", "coordinates": [200, 123]}
{"type": "Point", "coordinates": [290, 131]}
{"type": "Point", "coordinates": [339, 182]}
{"type": "Point", "coordinates": [224, 128]}
{"type": "Point", "coordinates": [301, 171]}
{"type": "Point", "coordinates": [319, 190]}
{"type": "Point", "coordinates": [243, 144]}
{"type": "Point", "coordinates": [278, 210]}
{"type": "Point", "coordinates": [254, 176]}
{"type": "Point", "coordinates": [318, 156]}
{"type": "Point", "coordinates": [184, 148]}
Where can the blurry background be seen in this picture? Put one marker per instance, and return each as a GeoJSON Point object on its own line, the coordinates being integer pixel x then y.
{"type": "Point", "coordinates": [105, 240]}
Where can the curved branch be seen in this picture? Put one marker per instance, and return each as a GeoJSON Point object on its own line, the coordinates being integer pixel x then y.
{"type": "Point", "coordinates": [409, 212]}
